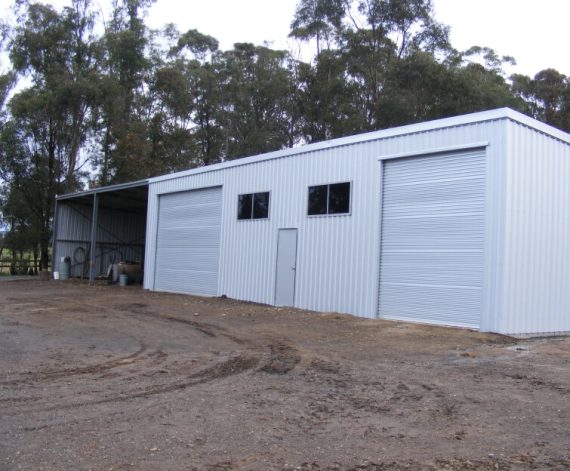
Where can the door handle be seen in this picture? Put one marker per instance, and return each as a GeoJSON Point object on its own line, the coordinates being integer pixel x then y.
{"type": "Point", "coordinates": [293, 268]}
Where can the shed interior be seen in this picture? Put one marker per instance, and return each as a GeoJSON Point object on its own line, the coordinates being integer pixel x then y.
{"type": "Point", "coordinates": [111, 219]}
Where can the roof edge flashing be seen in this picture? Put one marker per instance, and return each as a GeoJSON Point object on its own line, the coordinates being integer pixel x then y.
{"type": "Point", "coordinates": [104, 189]}
{"type": "Point", "coordinates": [539, 126]}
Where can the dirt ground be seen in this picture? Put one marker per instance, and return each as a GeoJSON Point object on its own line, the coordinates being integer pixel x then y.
{"type": "Point", "coordinates": [102, 377]}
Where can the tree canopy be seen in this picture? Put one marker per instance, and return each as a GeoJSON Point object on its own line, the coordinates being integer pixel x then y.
{"type": "Point", "coordinates": [89, 101]}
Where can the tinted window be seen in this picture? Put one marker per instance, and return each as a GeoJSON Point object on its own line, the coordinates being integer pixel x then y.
{"type": "Point", "coordinates": [329, 199]}
{"type": "Point", "coordinates": [245, 206]}
{"type": "Point", "coordinates": [253, 206]}
{"type": "Point", "coordinates": [260, 205]}
{"type": "Point", "coordinates": [318, 199]}
{"type": "Point", "coordinates": [339, 198]}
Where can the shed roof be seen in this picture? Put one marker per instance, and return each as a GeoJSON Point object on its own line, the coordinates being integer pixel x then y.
{"type": "Point", "coordinates": [131, 196]}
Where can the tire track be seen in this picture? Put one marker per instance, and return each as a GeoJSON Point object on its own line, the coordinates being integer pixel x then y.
{"type": "Point", "coordinates": [274, 357]}
{"type": "Point", "coordinates": [231, 367]}
{"type": "Point", "coordinates": [68, 372]}
{"type": "Point", "coordinates": [282, 358]}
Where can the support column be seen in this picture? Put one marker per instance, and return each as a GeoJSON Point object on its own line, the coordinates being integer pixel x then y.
{"type": "Point", "coordinates": [54, 253]}
{"type": "Point", "coordinates": [94, 224]}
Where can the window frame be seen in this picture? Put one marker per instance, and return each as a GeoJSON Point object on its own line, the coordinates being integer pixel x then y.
{"type": "Point", "coordinates": [328, 185]}
{"type": "Point", "coordinates": [269, 198]}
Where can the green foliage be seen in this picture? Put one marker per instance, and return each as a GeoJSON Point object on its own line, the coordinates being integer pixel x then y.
{"type": "Point", "coordinates": [47, 123]}
{"type": "Point", "coordinates": [318, 19]}
{"type": "Point", "coordinates": [328, 104]}
{"type": "Point", "coordinates": [255, 88]}
{"type": "Point", "coordinates": [122, 105]}
{"type": "Point", "coordinates": [199, 44]}
{"type": "Point", "coordinates": [546, 96]}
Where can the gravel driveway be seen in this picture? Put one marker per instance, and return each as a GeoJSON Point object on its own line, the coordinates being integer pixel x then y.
{"type": "Point", "coordinates": [102, 377]}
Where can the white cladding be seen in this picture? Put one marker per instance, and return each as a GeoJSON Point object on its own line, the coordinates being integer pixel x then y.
{"type": "Point", "coordinates": [536, 258]}
{"type": "Point", "coordinates": [338, 257]}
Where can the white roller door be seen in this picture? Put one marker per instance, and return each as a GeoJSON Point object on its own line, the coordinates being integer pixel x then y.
{"type": "Point", "coordinates": [432, 246]}
{"type": "Point", "coordinates": [188, 242]}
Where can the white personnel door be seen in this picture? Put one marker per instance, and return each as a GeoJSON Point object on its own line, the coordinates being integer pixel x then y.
{"type": "Point", "coordinates": [286, 267]}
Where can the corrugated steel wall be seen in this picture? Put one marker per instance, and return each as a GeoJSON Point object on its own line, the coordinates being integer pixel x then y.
{"type": "Point", "coordinates": [536, 260]}
{"type": "Point", "coordinates": [120, 236]}
{"type": "Point", "coordinates": [338, 256]}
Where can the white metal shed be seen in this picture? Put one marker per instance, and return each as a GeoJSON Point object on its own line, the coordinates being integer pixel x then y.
{"type": "Point", "coordinates": [462, 221]}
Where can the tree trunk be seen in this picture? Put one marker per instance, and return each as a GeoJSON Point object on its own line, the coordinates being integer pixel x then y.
{"type": "Point", "coordinates": [36, 260]}
{"type": "Point", "coordinates": [44, 254]}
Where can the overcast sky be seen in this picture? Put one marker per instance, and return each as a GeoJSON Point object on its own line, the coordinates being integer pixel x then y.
{"type": "Point", "coordinates": [535, 32]}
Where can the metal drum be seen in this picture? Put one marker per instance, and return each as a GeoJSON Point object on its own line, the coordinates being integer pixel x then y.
{"type": "Point", "coordinates": [65, 268]}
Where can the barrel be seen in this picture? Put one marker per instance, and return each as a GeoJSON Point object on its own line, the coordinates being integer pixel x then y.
{"type": "Point", "coordinates": [123, 279]}
{"type": "Point", "coordinates": [65, 268]}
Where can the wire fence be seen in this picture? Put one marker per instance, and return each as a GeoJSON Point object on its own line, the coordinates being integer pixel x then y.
{"type": "Point", "coordinates": [19, 267]}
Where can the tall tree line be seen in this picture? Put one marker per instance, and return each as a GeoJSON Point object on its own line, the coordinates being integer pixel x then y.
{"type": "Point", "coordinates": [87, 100]}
